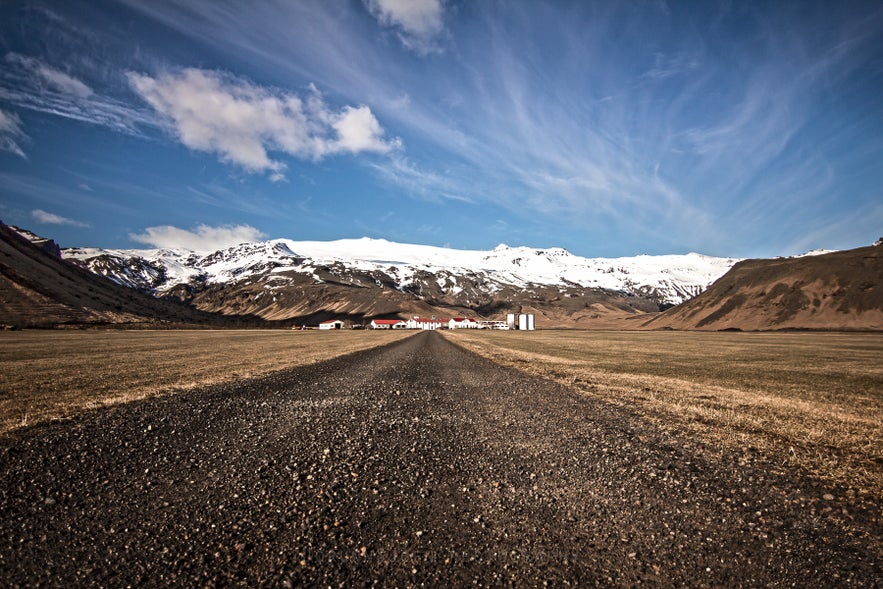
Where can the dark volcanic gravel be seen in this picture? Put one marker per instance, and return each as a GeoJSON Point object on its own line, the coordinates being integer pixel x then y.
{"type": "Point", "coordinates": [416, 464]}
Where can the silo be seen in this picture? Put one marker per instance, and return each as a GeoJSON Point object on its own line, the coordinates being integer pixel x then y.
{"type": "Point", "coordinates": [522, 321]}
{"type": "Point", "coordinates": [510, 320]}
{"type": "Point", "coordinates": [531, 322]}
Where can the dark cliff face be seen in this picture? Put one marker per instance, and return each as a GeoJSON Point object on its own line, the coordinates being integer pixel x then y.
{"type": "Point", "coordinates": [838, 290]}
{"type": "Point", "coordinates": [47, 245]}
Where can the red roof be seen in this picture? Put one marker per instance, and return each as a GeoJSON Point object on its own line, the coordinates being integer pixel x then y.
{"type": "Point", "coordinates": [331, 321]}
{"type": "Point", "coordinates": [462, 319]}
{"type": "Point", "coordinates": [386, 321]}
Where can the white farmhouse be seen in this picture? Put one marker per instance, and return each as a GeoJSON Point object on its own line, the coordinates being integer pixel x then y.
{"type": "Point", "coordinates": [333, 324]}
{"type": "Point", "coordinates": [424, 323]}
{"type": "Point", "coordinates": [388, 324]}
{"type": "Point", "coordinates": [463, 323]}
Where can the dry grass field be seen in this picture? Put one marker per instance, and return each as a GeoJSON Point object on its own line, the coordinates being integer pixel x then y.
{"type": "Point", "coordinates": [813, 400]}
{"type": "Point", "coordinates": [52, 374]}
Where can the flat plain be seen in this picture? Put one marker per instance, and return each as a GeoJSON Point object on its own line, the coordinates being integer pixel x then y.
{"type": "Point", "coordinates": [47, 375]}
{"type": "Point", "coordinates": [417, 464]}
{"type": "Point", "coordinates": [810, 400]}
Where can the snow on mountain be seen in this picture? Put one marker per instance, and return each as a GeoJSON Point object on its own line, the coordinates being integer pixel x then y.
{"type": "Point", "coordinates": [669, 279]}
{"type": "Point", "coordinates": [818, 252]}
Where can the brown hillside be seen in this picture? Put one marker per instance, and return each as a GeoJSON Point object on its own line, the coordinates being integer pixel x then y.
{"type": "Point", "coordinates": [837, 291]}
{"type": "Point", "coordinates": [302, 300]}
{"type": "Point", "coordinates": [39, 289]}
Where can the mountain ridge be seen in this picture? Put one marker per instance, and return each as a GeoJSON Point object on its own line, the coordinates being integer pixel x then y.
{"type": "Point", "coordinates": [364, 278]}
{"type": "Point", "coordinates": [840, 290]}
{"type": "Point", "coordinates": [670, 278]}
{"type": "Point", "coordinates": [287, 282]}
{"type": "Point", "coordinates": [39, 289]}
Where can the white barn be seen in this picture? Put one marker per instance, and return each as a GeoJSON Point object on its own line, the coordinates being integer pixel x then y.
{"type": "Point", "coordinates": [333, 324]}
{"type": "Point", "coordinates": [388, 324]}
{"type": "Point", "coordinates": [424, 323]}
{"type": "Point", "coordinates": [463, 323]}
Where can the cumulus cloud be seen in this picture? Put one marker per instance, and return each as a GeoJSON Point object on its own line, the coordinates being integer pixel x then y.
{"type": "Point", "coordinates": [11, 134]}
{"type": "Point", "coordinates": [54, 78]}
{"type": "Point", "coordinates": [41, 216]}
{"type": "Point", "coordinates": [200, 238]}
{"type": "Point", "coordinates": [242, 122]}
{"type": "Point", "coordinates": [419, 22]}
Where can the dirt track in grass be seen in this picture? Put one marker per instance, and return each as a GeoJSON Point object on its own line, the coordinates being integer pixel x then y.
{"type": "Point", "coordinates": [51, 374]}
{"type": "Point", "coordinates": [413, 464]}
{"type": "Point", "coordinates": [810, 400]}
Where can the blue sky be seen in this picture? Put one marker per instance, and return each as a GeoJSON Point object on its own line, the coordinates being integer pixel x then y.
{"type": "Point", "coordinates": [749, 129]}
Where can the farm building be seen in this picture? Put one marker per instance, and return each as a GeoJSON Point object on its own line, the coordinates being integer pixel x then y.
{"type": "Point", "coordinates": [424, 323]}
{"type": "Point", "coordinates": [463, 323]}
{"type": "Point", "coordinates": [388, 324]}
{"type": "Point", "coordinates": [334, 324]}
{"type": "Point", "coordinates": [522, 321]}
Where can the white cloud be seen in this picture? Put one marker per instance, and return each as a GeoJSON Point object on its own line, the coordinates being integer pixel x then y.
{"type": "Point", "coordinates": [41, 216]}
{"type": "Point", "coordinates": [31, 84]}
{"type": "Point", "coordinates": [358, 130]}
{"type": "Point", "coordinates": [423, 184]}
{"type": "Point", "coordinates": [419, 21]}
{"type": "Point", "coordinates": [200, 238]}
{"type": "Point", "coordinates": [55, 78]}
{"type": "Point", "coordinates": [242, 122]}
{"type": "Point", "coordinates": [11, 134]}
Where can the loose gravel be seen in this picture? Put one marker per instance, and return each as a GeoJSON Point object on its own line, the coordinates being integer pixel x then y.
{"type": "Point", "coordinates": [418, 464]}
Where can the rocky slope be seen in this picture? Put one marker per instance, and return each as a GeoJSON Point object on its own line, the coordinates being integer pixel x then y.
{"type": "Point", "coordinates": [836, 290]}
{"type": "Point", "coordinates": [39, 289]}
{"type": "Point", "coordinates": [363, 278]}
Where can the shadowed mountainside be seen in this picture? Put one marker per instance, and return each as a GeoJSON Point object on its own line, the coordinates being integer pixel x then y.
{"type": "Point", "coordinates": [39, 289]}
{"type": "Point", "coordinates": [303, 300]}
{"type": "Point", "coordinates": [834, 291]}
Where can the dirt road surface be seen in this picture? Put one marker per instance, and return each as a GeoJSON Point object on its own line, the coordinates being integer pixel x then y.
{"type": "Point", "coordinates": [418, 464]}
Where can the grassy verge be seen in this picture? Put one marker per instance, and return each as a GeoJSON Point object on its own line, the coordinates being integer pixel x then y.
{"type": "Point", "coordinates": [814, 400]}
{"type": "Point", "coordinates": [51, 374]}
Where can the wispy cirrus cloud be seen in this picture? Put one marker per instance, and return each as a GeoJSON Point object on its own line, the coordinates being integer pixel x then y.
{"type": "Point", "coordinates": [200, 238]}
{"type": "Point", "coordinates": [687, 126]}
{"type": "Point", "coordinates": [242, 122]}
{"type": "Point", "coordinates": [418, 22]}
{"type": "Point", "coordinates": [420, 183]}
{"type": "Point", "coordinates": [52, 77]}
{"type": "Point", "coordinates": [11, 134]}
{"type": "Point", "coordinates": [41, 216]}
{"type": "Point", "coordinates": [32, 84]}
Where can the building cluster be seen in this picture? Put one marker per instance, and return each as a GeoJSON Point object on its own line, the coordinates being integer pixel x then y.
{"type": "Point", "coordinates": [524, 321]}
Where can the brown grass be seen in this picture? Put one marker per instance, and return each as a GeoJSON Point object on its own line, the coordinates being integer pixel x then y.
{"type": "Point", "coordinates": [813, 400]}
{"type": "Point", "coordinates": [53, 374]}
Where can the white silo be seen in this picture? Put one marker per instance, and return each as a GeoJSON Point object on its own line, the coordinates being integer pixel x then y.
{"type": "Point", "coordinates": [510, 320]}
{"type": "Point", "coordinates": [531, 322]}
{"type": "Point", "coordinates": [522, 321]}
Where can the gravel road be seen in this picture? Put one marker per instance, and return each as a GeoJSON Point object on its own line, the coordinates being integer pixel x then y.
{"type": "Point", "coordinates": [417, 464]}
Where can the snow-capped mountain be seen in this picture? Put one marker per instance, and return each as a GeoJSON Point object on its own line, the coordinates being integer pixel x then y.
{"type": "Point", "coordinates": [258, 275]}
